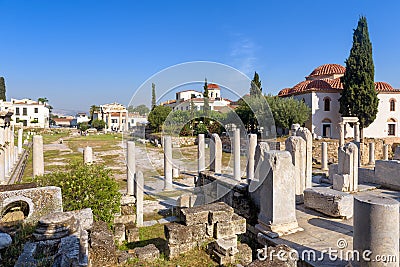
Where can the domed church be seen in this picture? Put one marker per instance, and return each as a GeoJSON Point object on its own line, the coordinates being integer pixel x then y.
{"type": "Point", "coordinates": [321, 92]}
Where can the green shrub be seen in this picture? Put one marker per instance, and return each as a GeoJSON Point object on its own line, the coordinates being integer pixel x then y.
{"type": "Point", "coordinates": [86, 186]}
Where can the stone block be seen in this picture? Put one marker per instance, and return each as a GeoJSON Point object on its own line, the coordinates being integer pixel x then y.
{"type": "Point", "coordinates": [333, 169]}
{"type": "Point", "coordinates": [387, 173]}
{"type": "Point", "coordinates": [147, 253]}
{"type": "Point", "coordinates": [226, 246]}
{"type": "Point", "coordinates": [234, 227]}
{"type": "Point", "coordinates": [341, 182]}
{"type": "Point", "coordinates": [329, 202]}
{"type": "Point", "coordinates": [84, 216]}
{"type": "Point", "coordinates": [119, 233]}
{"type": "Point", "coordinates": [195, 215]}
{"type": "Point", "coordinates": [125, 219]}
{"type": "Point", "coordinates": [244, 255]}
{"type": "Point", "coordinates": [103, 251]}
{"type": "Point", "coordinates": [131, 233]}
{"type": "Point", "coordinates": [128, 210]}
{"type": "Point", "coordinates": [126, 200]}
{"type": "Point", "coordinates": [220, 212]}
{"type": "Point", "coordinates": [175, 250]}
{"type": "Point", "coordinates": [176, 233]}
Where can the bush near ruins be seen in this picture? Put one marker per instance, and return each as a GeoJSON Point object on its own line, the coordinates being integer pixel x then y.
{"type": "Point", "coordinates": [86, 186]}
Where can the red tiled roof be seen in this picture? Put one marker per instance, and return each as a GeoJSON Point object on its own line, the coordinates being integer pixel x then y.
{"type": "Point", "coordinates": [383, 87]}
{"type": "Point", "coordinates": [212, 86]}
{"type": "Point", "coordinates": [328, 69]}
{"type": "Point", "coordinates": [284, 91]}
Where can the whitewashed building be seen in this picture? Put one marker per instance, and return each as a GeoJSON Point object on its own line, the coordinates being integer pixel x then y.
{"type": "Point", "coordinates": [321, 92]}
{"type": "Point", "coordinates": [184, 99]}
{"type": "Point", "coordinates": [30, 113]}
{"type": "Point", "coordinates": [115, 116]}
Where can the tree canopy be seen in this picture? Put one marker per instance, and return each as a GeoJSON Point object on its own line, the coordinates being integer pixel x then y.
{"type": "Point", "coordinates": [359, 97]}
{"type": "Point", "coordinates": [153, 96]}
{"type": "Point", "coordinates": [157, 117]}
{"type": "Point", "coordinates": [141, 109]}
{"type": "Point", "coordinates": [2, 89]}
{"type": "Point", "coordinates": [255, 86]}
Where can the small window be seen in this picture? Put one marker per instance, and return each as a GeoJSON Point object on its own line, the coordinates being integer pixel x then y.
{"type": "Point", "coordinates": [24, 111]}
{"type": "Point", "coordinates": [113, 120]}
{"type": "Point", "coordinates": [392, 105]}
{"type": "Point", "coordinates": [327, 104]}
{"type": "Point", "coordinates": [36, 110]}
{"type": "Point", "coordinates": [392, 129]}
{"type": "Point", "coordinates": [16, 111]}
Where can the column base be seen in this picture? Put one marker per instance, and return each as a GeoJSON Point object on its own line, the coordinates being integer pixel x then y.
{"type": "Point", "coordinates": [277, 230]}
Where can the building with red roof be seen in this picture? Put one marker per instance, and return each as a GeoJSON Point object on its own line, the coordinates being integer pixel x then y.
{"type": "Point", "coordinates": [321, 92]}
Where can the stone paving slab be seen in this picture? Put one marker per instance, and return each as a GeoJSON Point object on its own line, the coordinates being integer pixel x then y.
{"type": "Point", "coordinates": [322, 232]}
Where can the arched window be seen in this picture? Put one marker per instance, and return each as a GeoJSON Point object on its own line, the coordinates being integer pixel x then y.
{"type": "Point", "coordinates": [391, 126]}
{"type": "Point", "coordinates": [326, 127]}
{"type": "Point", "coordinates": [392, 104]}
{"type": "Point", "coordinates": [327, 104]}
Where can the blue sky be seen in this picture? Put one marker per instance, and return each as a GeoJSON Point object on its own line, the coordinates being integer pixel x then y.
{"type": "Point", "coordinates": [79, 53]}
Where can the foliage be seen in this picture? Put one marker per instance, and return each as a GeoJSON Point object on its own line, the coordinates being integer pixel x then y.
{"type": "Point", "coordinates": [153, 96]}
{"type": "Point", "coordinates": [83, 126]}
{"type": "Point", "coordinates": [141, 109]}
{"type": "Point", "coordinates": [359, 97]}
{"type": "Point", "coordinates": [206, 107]}
{"type": "Point", "coordinates": [86, 186]}
{"type": "Point", "coordinates": [43, 100]}
{"type": "Point", "coordinates": [92, 110]}
{"type": "Point", "coordinates": [287, 111]}
{"type": "Point", "coordinates": [255, 87]}
{"type": "Point", "coordinates": [98, 124]}
{"type": "Point", "coordinates": [201, 128]}
{"type": "Point", "coordinates": [2, 89]}
{"type": "Point", "coordinates": [157, 117]}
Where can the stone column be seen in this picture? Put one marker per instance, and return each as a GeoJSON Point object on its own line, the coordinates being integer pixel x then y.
{"type": "Point", "coordinates": [236, 155]}
{"type": "Point", "coordinates": [371, 153]}
{"type": "Point", "coordinates": [346, 179]}
{"type": "Point", "coordinates": [88, 155]}
{"type": "Point", "coordinates": [120, 121]}
{"type": "Point", "coordinates": [2, 158]}
{"type": "Point", "coordinates": [324, 156]}
{"type": "Point", "coordinates": [251, 151]}
{"type": "Point", "coordinates": [139, 198]}
{"type": "Point", "coordinates": [109, 121]}
{"type": "Point", "coordinates": [12, 147]}
{"type": "Point", "coordinates": [130, 168]}
{"type": "Point", "coordinates": [37, 155]}
{"type": "Point", "coordinates": [342, 133]}
{"type": "Point", "coordinates": [376, 229]}
{"type": "Point", "coordinates": [201, 157]}
{"type": "Point", "coordinates": [307, 136]}
{"type": "Point", "coordinates": [175, 173]}
{"type": "Point", "coordinates": [297, 147]}
{"type": "Point", "coordinates": [167, 163]}
{"type": "Point", "coordinates": [385, 152]}
{"type": "Point", "coordinates": [357, 132]}
{"type": "Point", "coordinates": [126, 128]}
{"type": "Point", "coordinates": [277, 194]}
{"type": "Point", "coordinates": [20, 136]}
{"type": "Point", "coordinates": [215, 154]}
{"type": "Point", "coordinates": [6, 151]}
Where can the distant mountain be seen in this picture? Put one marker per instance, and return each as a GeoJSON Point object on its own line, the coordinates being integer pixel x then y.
{"type": "Point", "coordinates": [69, 112]}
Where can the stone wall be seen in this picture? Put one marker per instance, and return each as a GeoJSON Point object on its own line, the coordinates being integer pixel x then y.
{"type": "Point", "coordinates": [176, 141]}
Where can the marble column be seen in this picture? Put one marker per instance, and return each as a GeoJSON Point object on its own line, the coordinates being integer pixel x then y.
{"type": "Point", "coordinates": [2, 158]}
{"type": "Point", "coordinates": [167, 163]}
{"type": "Point", "coordinates": [342, 126]}
{"type": "Point", "coordinates": [131, 168]}
{"type": "Point", "coordinates": [371, 151]}
{"type": "Point", "coordinates": [216, 154]}
{"type": "Point", "coordinates": [236, 155]}
{"type": "Point", "coordinates": [346, 179]}
{"type": "Point", "coordinates": [385, 152]}
{"type": "Point", "coordinates": [120, 121]}
{"type": "Point", "coordinates": [376, 229]}
{"type": "Point", "coordinates": [201, 163]}
{"type": "Point", "coordinates": [88, 155]}
{"type": "Point", "coordinates": [37, 155]}
{"type": "Point", "coordinates": [6, 150]}
{"type": "Point", "coordinates": [251, 151]}
{"type": "Point", "coordinates": [175, 173]}
{"type": "Point", "coordinates": [20, 136]}
{"type": "Point", "coordinates": [139, 198]}
{"type": "Point", "coordinates": [297, 147]}
{"type": "Point", "coordinates": [357, 132]}
{"type": "Point", "coordinates": [126, 122]}
{"type": "Point", "coordinates": [324, 156]}
{"type": "Point", "coordinates": [109, 121]}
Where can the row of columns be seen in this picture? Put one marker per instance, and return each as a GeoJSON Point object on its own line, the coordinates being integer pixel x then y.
{"type": "Point", "coordinates": [108, 114]}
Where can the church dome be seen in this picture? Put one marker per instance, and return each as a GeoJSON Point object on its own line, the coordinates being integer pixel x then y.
{"type": "Point", "coordinates": [328, 69]}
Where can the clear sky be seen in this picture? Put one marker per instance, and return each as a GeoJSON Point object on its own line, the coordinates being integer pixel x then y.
{"type": "Point", "coordinates": [83, 52]}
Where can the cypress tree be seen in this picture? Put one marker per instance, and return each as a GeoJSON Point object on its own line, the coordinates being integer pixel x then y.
{"type": "Point", "coordinates": [2, 89]}
{"type": "Point", "coordinates": [255, 87]}
{"type": "Point", "coordinates": [206, 102]}
{"type": "Point", "coordinates": [153, 96]}
{"type": "Point", "coordinates": [359, 97]}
